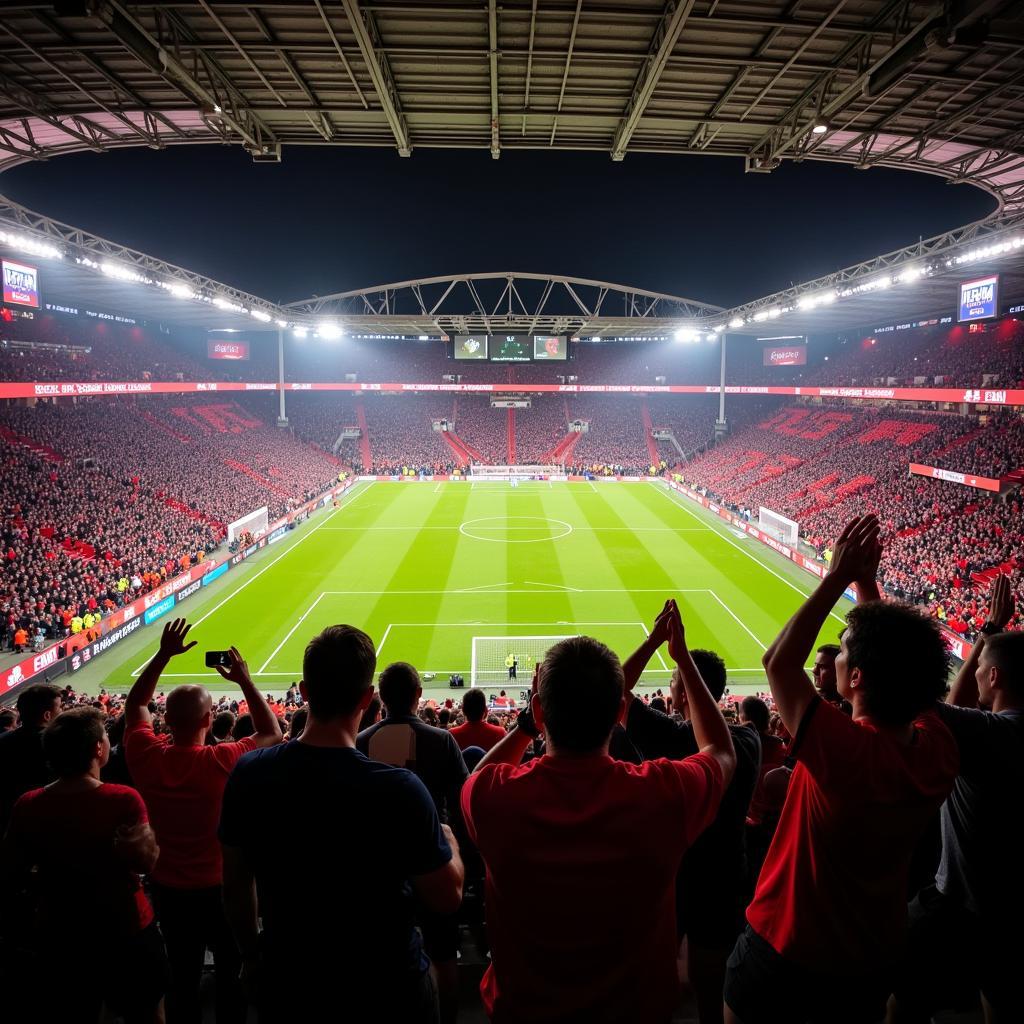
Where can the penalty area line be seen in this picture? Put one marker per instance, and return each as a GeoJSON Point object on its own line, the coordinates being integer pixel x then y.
{"type": "Point", "coordinates": [669, 495]}
{"type": "Point", "coordinates": [255, 576]}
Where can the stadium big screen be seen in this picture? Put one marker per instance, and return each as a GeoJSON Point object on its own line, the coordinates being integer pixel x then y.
{"type": "Point", "coordinates": [511, 348]}
{"type": "Point", "coordinates": [470, 346]}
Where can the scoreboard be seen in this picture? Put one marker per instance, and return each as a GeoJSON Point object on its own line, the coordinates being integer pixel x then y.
{"type": "Point", "coordinates": [511, 348]}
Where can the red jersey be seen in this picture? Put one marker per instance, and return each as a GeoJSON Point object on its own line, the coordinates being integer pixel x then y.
{"type": "Point", "coordinates": [83, 891]}
{"type": "Point", "coordinates": [832, 894]}
{"type": "Point", "coordinates": [582, 855]}
{"type": "Point", "coordinates": [183, 788]}
{"type": "Point", "coordinates": [477, 734]}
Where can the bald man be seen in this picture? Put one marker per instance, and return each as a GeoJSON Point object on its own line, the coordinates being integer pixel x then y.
{"type": "Point", "coordinates": [182, 780]}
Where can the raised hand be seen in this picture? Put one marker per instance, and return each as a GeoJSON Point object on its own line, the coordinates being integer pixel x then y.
{"type": "Point", "coordinates": [172, 640]}
{"type": "Point", "coordinates": [858, 550]}
{"type": "Point", "coordinates": [662, 624]}
{"type": "Point", "coordinates": [676, 634]}
{"type": "Point", "coordinates": [1000, 602]}
{"type": "Point", "coordinates": [237, 671]}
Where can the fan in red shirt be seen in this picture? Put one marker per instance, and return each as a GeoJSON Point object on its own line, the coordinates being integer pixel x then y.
{"type": "Point", "coordinates": [475, 732]}
{"type": "Point", "coordinates": [97, 835]}
{"type": "Point", "coordinates": [829, 914]}
{"type": "Point", "coordinates": [182, 779]}
{"type": "Point", "coordinates": [582, 851]}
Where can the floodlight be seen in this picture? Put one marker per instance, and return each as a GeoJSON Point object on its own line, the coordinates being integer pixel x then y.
{"type": "Point", "coordinates": [30, 246]}
{"type": "Point", "coordinates": [735, 323]}
{"type": "Point", "coordinates": [299, 332]}
{"type": "Point", "coordinates": [819, 129]}
{"type": "Point", "coordinates": [258, 314]}
{"type": "Point", "coordinates": [329, 331]}
{"type": "Point", "coordinates": [180, 290]}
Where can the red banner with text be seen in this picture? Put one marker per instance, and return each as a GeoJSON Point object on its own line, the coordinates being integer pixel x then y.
{"type": "Point", "coordinates": [71, 389]}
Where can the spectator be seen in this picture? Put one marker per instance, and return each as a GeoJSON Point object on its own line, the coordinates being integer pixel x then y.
{"type": "Point", "coordinates": [182, 782]}
{"type": "Point", "coordinates": [575, 823]}
{"type": "Point", "coordinates": [824, 673]}
{"type": "Point", "coordinates": [961, 927]}
{"type": "Point", "coordinates": [22, 761]}
{"type": "Point", "coordinates": [362, 832]}
{"type": "Point", "coordinates": [708, 915]}
{"type": "Point", "coordinates": [829, 912]}
{"type": "Point", "coordinates": [432, 754]}
{"type": "Point", "coordinates": [475, 732]}
{"type": "Point", "coordinates": [99, 928]}
{"type": "Point", "coordinates": [243, 727]}
{"type": "Point", "coordinates": [220, 729]}
{"type": "Point", "coordinates": [8, 721]}
{"type": "Point", "coordinates": [298, 723]}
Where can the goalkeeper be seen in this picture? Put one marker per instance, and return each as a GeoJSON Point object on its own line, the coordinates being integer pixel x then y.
{"type": "Point", "coordinates": [511, 663]}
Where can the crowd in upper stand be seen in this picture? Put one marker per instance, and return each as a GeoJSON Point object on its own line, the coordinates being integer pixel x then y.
{"type": "Point", "coordinates": [828, 855]}
{"type": "Point", "coordinates": [102, 500]}
{"type": "Point", "coordinates": [814, 466]}
{"type": "Point", "coordinates": [964, 355]}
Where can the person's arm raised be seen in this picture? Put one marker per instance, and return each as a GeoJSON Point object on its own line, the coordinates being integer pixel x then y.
{"type": "Point", "coordinates": [633, 667]}
{"type": "Point", "coordinates": [964, 691]}
{"type": "Point", "coordinates": [784, 661]}
{"type": "Point", "coordinates": [268, 729]}
{"type": "Point", "coordinates": [172, 643]}
{"type": "Point", "coordinates": [709, 727]}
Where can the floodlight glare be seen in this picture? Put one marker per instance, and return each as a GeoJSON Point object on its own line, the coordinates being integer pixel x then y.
{"type": "Point", "coordinates": [180, 291]}
{"type": "Point", "coordinates": [735, 323]}
{"type": "Point", "coordinates": [687, 334]}
{"type": "Point", "coordinates": [258, 314]}
{"type": "Point", "coordinates": [329, 331]}
{"type": "Point", "coordinates": [819, 129]}
{"type": "Point", "coordinates": [299, 332]}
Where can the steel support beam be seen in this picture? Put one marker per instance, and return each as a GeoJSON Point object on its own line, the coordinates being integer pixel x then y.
{"type": "Point", "coordinates": [492, 56]}
{"type": "Point", "coordinates": [364, 29]}
{"type": "Point", "coordinates": [666, 35]}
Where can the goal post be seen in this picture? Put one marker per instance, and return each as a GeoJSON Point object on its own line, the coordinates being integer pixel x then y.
{"type": "Point", "coordinates": [778, 526]}
{"type": "Point", "coordinates": [255, 522]}
{"type": "Point", "coordinates": [488, 666]}
{"type": "Point", "coordinates": [481, 472]}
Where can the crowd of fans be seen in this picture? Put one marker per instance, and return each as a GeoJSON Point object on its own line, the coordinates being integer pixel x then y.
{"type": "Point", "coordinates": [814, 465]}
{"type": "Point", "coordinates": [588, 839]}
{"type": "Point", "coordinates": [51, 347]}
{"type": "Point", "coordinates": [103, 500]}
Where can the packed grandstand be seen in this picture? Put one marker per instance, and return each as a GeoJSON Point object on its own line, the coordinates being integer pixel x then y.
{"type": "Point", "coordinates": [813, 461]}
{"type": "Point", "coordinates": [514, 646]}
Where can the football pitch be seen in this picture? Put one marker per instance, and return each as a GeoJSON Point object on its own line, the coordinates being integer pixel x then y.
{"type": "Point", "coordinates": [426, 567]}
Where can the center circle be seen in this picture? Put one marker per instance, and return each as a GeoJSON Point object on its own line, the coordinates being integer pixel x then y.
{"type": "Point", "coordinates": [504, 529]}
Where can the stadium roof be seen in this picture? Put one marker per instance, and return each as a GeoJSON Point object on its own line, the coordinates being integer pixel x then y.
{"type": "Point", "coordinates": [932, 87]}
{"type": "Point", "coordinates": [935, 87]}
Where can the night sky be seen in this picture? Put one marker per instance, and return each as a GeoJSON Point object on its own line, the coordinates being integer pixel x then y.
{"type": "Point", "coordinates": [327, 220]}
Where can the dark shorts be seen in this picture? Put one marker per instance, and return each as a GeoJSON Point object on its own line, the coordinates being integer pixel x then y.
{"type": "Point", "coordinates": [763, 987]}
{"type": "Point", "coordinates": [952, 955]}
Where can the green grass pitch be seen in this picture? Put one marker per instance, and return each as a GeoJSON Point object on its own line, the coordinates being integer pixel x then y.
{"type": "Point", "coordinates": [424, 567]}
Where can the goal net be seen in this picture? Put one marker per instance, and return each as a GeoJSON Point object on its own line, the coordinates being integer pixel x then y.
{"type": "Point", "coordinates": [778, 526]}
{"type": "Point", "coordinates": [255, 522]}
{"type": "Point", "coordinates": [491, 654]}
{"type": "Point", "coordinates": [508, 472]}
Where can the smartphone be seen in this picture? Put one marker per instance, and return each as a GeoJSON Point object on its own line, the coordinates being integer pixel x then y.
{"type": "Point", "coordinates": [215, 658]}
